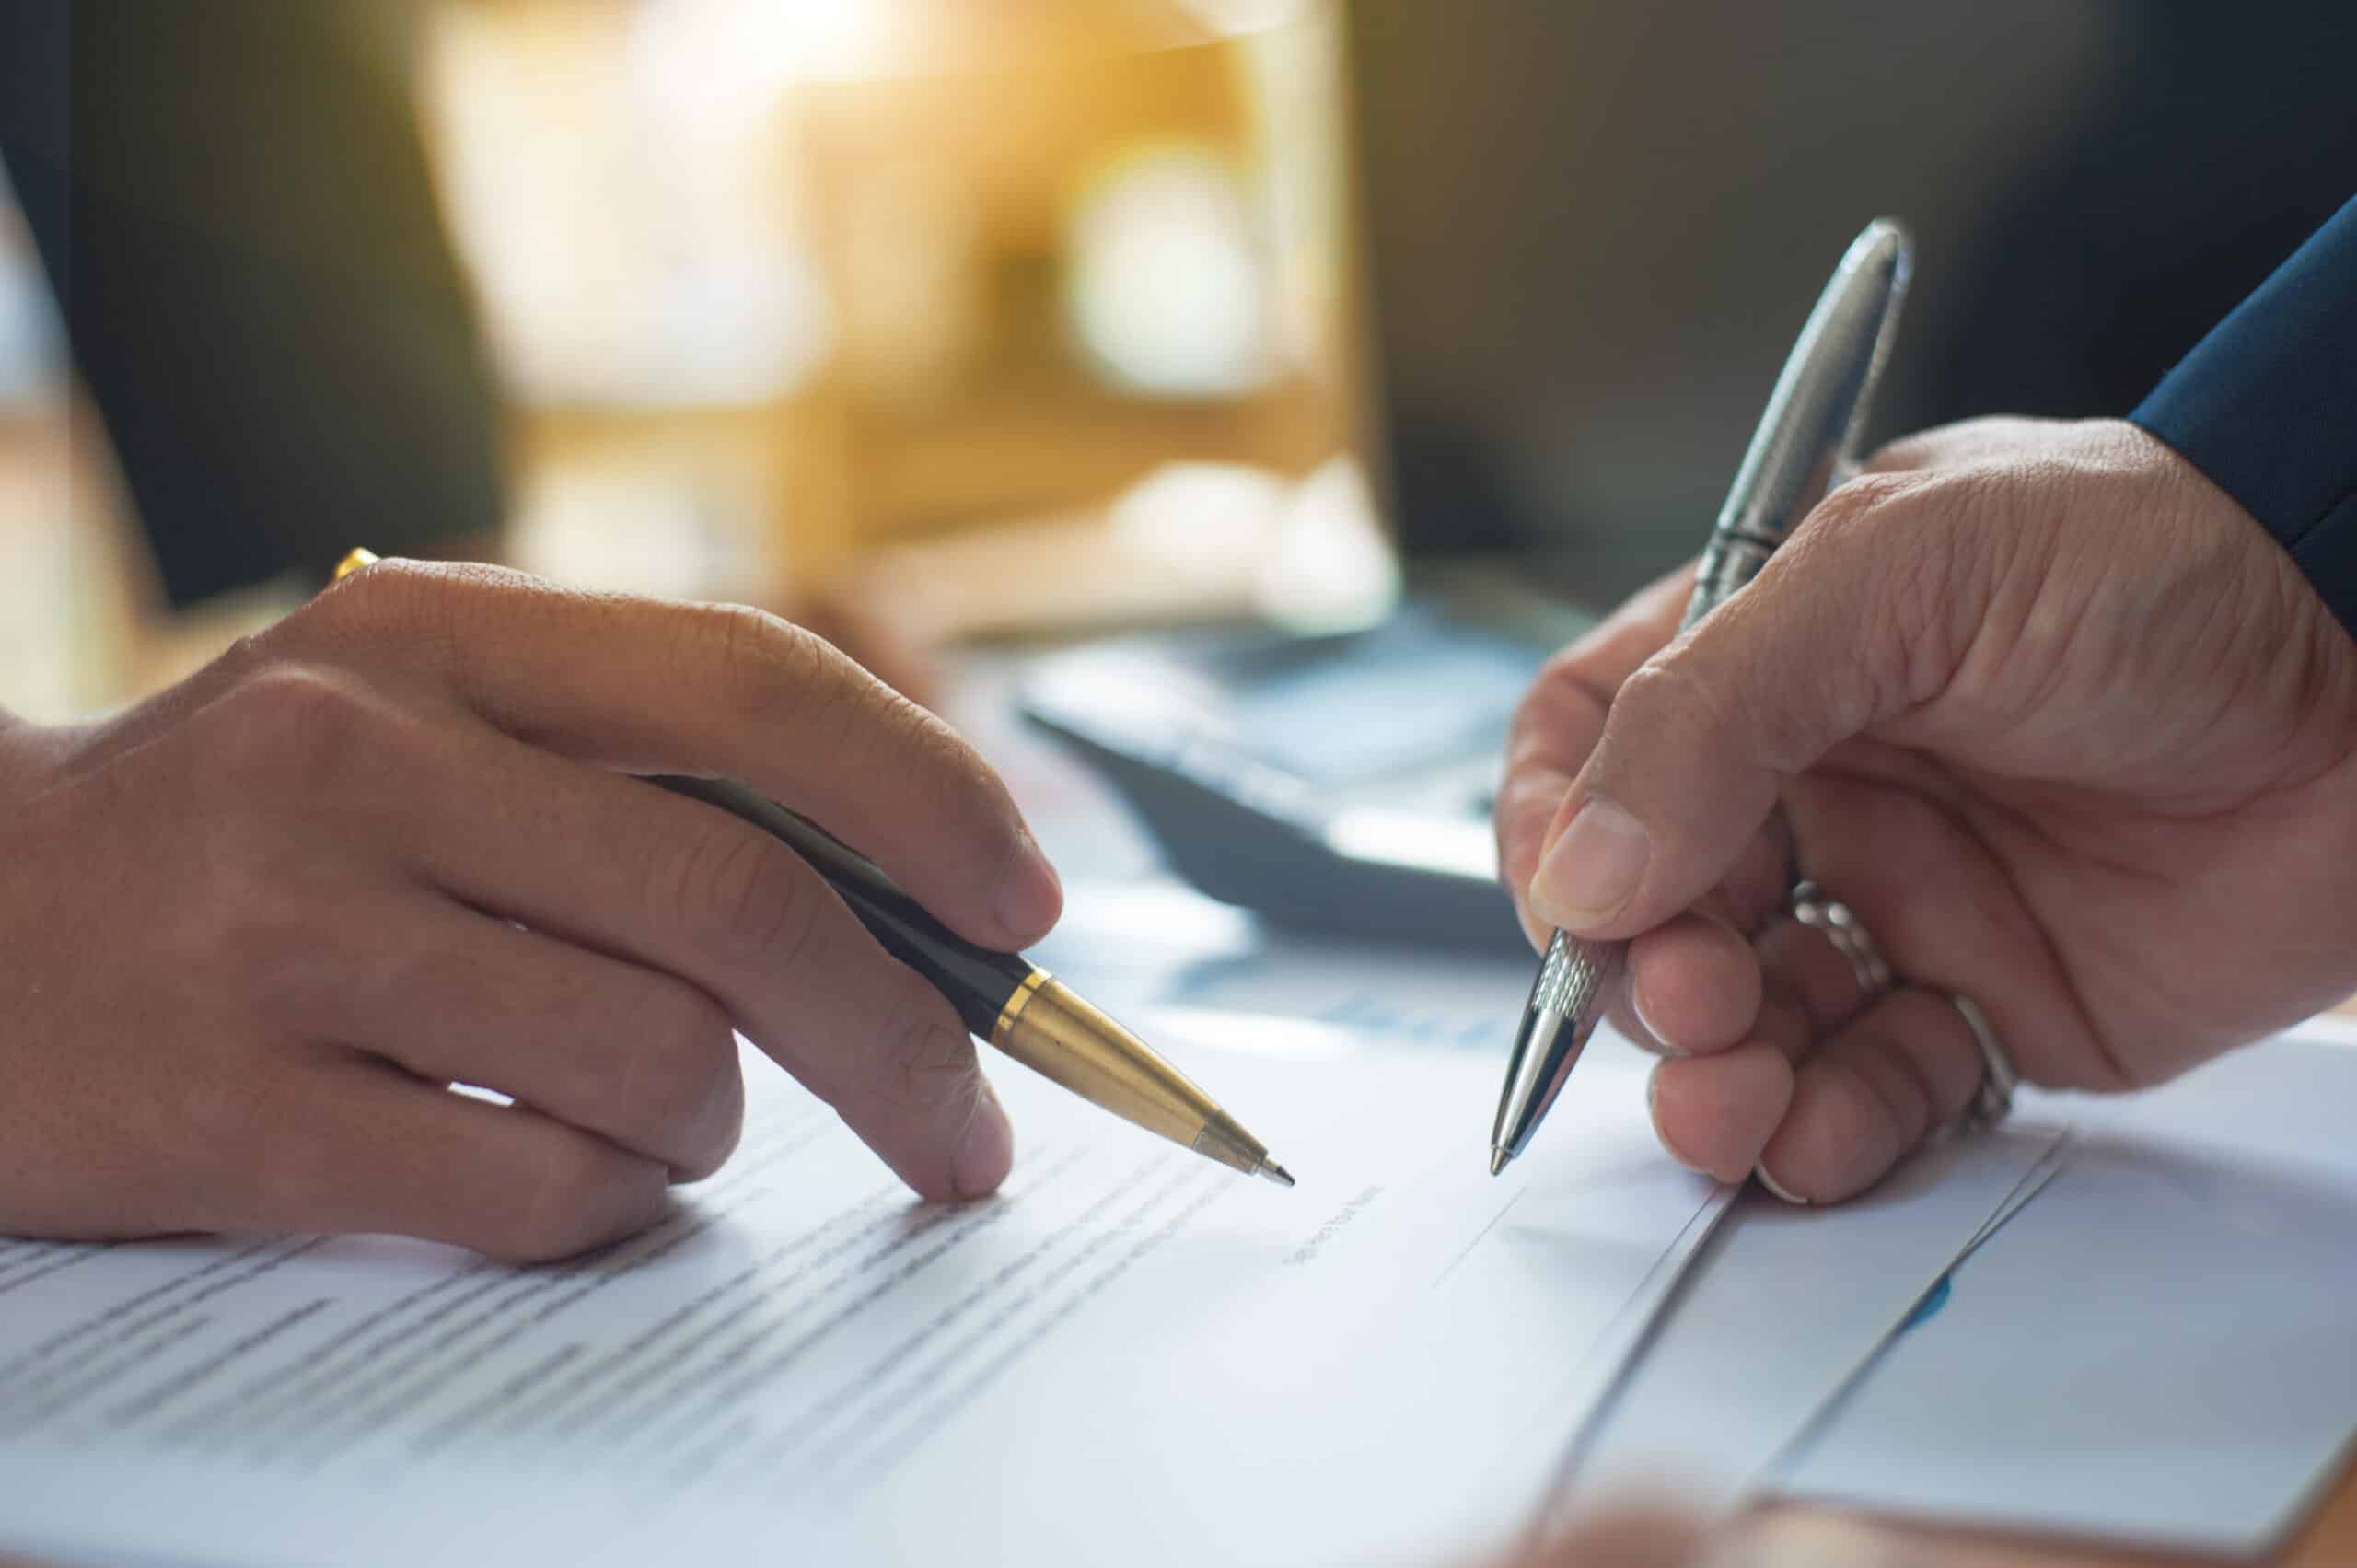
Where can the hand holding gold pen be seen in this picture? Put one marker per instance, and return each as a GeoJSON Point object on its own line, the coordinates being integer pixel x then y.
{"type": "Point", "coordinates": [393, 842]}
{"type": "Point", "coordinates": [999, 996]}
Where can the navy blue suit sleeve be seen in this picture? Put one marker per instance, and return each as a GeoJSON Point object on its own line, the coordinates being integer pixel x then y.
{"type": "Point", "coordinates": [2265, 406]}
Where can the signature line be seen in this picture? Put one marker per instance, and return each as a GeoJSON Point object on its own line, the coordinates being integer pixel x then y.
{"type": "Point", "coordinates": [1484, 1231]}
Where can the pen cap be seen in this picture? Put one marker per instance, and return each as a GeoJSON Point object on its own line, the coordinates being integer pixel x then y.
{"type": "Point", "coordinates": [1807, 442]}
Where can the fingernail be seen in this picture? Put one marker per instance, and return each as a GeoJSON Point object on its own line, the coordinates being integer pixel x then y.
{"type": "Point", "coordinates": [1667, 1046]}
{"type": "Point", "coordinates": [1594, 869]}
{"type": "Point", "coordinates": [1759, 1174]}
{"type": "Point", "coordinates": [1653, 1113]}
{"type": "Point", "coordinates": [986, 1149]}
{"type": "Point", "coordinates": [1031, 896]}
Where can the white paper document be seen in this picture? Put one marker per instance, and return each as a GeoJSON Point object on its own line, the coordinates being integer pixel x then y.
{"type": "Point", "coordinates": [2158, 1349]}
{"type": "Point", "coordinates": [1785, 1303]}
{"type": "Point", "coordinates": [1129, 1355]}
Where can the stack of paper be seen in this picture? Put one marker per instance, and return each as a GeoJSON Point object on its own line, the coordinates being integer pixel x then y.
{"type": "Point", "coordinates": [1131, 1352]}
{"type": "Point", "coordinates": [2157, 1350]}
{"type": "Point", "coordinates": [1784, 1307]}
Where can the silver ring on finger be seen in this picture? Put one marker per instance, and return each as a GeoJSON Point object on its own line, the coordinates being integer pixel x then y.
{"type": "Point", "coordinates": [1994, 1097]}
{"type": "Point", "coordinates": [1848, 936]}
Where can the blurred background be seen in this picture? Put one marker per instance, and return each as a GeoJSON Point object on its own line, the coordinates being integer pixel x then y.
{"type": "Point", "coordinates": [958, 319]}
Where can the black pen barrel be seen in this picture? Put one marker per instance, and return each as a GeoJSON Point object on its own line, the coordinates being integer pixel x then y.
{"type": "Point", "coordinates": [978, 980]}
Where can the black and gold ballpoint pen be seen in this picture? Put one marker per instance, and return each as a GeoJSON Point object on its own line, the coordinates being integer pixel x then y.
{"type": "Point", "coordinates": [1002, 997]}
{"type": "Point", "coordinates": [1804, 445]}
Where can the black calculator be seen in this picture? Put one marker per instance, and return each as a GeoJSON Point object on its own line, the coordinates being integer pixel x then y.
{"type": "Point", "coordinates": [1340, 782]}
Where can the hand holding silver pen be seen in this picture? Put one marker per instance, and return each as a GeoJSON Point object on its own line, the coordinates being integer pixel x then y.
{"type": "Point", "coordinates": [2037, 746]}
{"type": "Point", "coordinates": [1804, 441]}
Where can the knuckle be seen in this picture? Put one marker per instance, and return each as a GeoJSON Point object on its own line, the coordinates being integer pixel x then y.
{"type": "Point", "coordinates": [843, 709]}
{"type": "Point", "coordinates": [1867, 501]}
{"type": "Point", "coordinates": [762, 667]}
{"type": "Point", "coordinates": [681, 1077]}
{"type": "Point", "coordinates": [401, 595]}
{"type": "Point", "coordinates": [259, 928]}
{"type": "Point", "coordinates": [744, 896]}
{"type": "Point", "coordinates": [722, 1126]}
{"type": "Point", "coordinates": [965, 792]}
{"type": "Point", "coordinates": [1556, 720]}
{"type": "Point", "coordinates": [258, 1152]}
{"type": "Point", "coordinates": [256, 650]}
{"type": "Point", "coordinates": [434, 608]}
{"type": "Point", "coordinates": [1886, 1108]}
{"type": "Point", "coordinates": [288, 728]}
{"type": "Point", "coordinates": [1669, 702]}
{"type": "Point", "coordinates": [1519, 818]}
{"type": "Point", "coordinates": [1542, 700]}
{"type": "Point", "coordinates": [1686, 705]}
{"type": "Point", "coordinates": [1896, 525]}
{"type": "Point", "coordinates": [563, 1204]}
{"type": "Point", "coordinates": [1925, 594]}
{"type": "Point", "coordinates": [463, 983]}
{"type": "Point", "coordinates": [1859, 534]}
{"type": "Point", "coordinates": [217, 1112]}
{"type": "Point", "coordinates": [930, 1062]}
{"type": "Point", "coordinates": [1901, 453]}
{"type": "Point", "coordinates": [772, 673]}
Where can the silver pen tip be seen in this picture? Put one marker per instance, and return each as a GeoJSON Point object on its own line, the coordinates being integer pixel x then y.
{"type": "Point", "coordinates": [1274, 1172]}
{"type": "Point", "coordinates": [1499, 1159]}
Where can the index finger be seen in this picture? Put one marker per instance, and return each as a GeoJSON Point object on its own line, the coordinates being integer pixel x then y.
{"type": "Point", "coordinates": [640, 685]}
{"type": "Point", "coordinates": [1559, 719]}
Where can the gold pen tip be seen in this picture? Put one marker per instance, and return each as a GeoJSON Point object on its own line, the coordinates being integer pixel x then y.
{"type": "Point", "coordinates": [1499, 1159]}
{"type": "Point", "coordinates": [1275, 1172]}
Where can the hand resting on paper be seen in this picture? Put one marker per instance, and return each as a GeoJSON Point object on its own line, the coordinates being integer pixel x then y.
{"type": "Point", "coordinates": [253, 929]}
{"type": "Point", "coordinates": [2069, 732]}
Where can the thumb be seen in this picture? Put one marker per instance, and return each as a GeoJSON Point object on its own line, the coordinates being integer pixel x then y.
{"type": "Point", "coordinates": [1851, 624]}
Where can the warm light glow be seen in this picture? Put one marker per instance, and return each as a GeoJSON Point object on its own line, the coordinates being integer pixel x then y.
{"type": "Point", "coordinates": [1330, 567]}
{"type": "Point", "coordinates": [1168, 290]}
{"type": "Point", "coordinates": [729, 61]}
{"type": "Point", "coordinates": [631, 233]}
{"type": "Point", "coordinates": [1236, 17]}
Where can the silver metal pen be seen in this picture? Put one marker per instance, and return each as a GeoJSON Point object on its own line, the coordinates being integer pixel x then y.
{"type": "Point", "coordinates": [1804, 446]}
